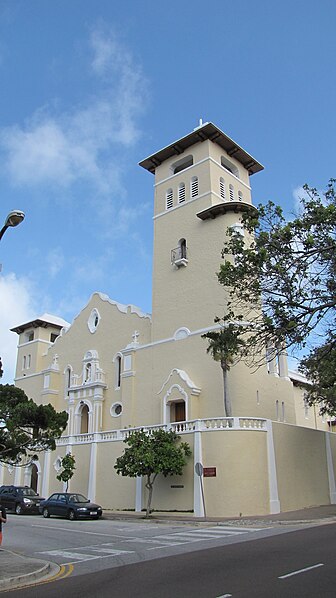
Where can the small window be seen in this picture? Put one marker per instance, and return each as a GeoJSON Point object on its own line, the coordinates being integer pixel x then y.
{"type": "Point", "coordinates": [231, 192]}
{"type": "Point", "coordinates": [240, 196]}
{"type": "Point", "coordinates": [182, 164]}
{"type": "Point", "coordinates": [30, 336]}
{"type": "Point", "coordinates": [183, 248]}
{"type": "Point", "coordinates": [53, 337]}
{"type": "Point", "coordinates": [169, 199]}
{"type": "Point", "coordinates": [194, 186]}
{"type": "Point", "coordinates": [24, 362]}
{"type": "Point", "coordinates": [116, 409]}
{"type": "Point", "coordinates": [28, 361]}
{"type": "Point", "coordinates": [93, 320]}
{"type": "Point", "coordinates": [181, 193]}
{"type": "Point", "coordinates": [222, 187]}
{"type": "Point", "coordinates": [88, 372]}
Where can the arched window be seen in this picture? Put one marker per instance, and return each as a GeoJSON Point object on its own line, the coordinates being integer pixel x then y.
{"type": "Point", "coordinates": [229, 166]}
{"type": "Point", "coordinates": [67, 380]}
{"type": "Point", "coordinates": [182, 164]}
{"type": "Point", "coordinates": [231, 192]}
{"type": "Point", "coordinates": [88, 371]}
{"type": "Point", "coordinates": [84, 422]}
{"type": "Point", "coordinates": [118, 371]}
{"type": "Point", "coordinates": [222, 187]}
{"type": "Point", "coordinates": [183, 248]}
{"type": "Point", "coordinates": [169, 199]}
{"type": "Point", "coordinates": [181, 193]}
{"type": "Point", "coordinates": [194, 186]}
{"type": "Point", "coordinates": [240, 196]}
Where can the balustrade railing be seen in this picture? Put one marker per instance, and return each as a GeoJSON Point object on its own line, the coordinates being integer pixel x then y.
{"type": "Point", "coordinates": [211, 424]}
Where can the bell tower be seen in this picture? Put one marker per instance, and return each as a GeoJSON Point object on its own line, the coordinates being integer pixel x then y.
{"type": "Point", "coordinates": [202, 185]}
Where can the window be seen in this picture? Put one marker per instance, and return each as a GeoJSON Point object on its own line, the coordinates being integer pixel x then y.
{"type": "Point", "coordinates": [30, 336]}
{"type": "Point", "coordinates": [179, 255]}
{"type": "Point", "coordinates": [222, 187]}
{"type": "Point", "coordinates": [229, 166]}
{"type": "Point", "coordinates": [231, 192]}
{"type": "Point", "coordinates": [88, 369]}
{"type": "Point", "coordinates": [182, 164]}
{"type": "Point", "coordinates": [169, 199]}
{"type": "Point", "coordinates": [116, 409]}
{"type": "Point", "coordinates": [240, 196]}
{"type": "Point", "coordinates": [53, 337]}
{"type": "Point", "coordinates": [28, 361]}
{"type": "Point", "coordinates": [183, 248]}
{"type": "Point", "coordinates": [93, 320]}
{"type": "Point", "coordinates": [181, 193]}
{"type": "Point", "coordinates": [67, 380]}
{"type": "Point", "coordinates": [24, 362]}
{"type": "Point", "coordinates": [194, 186]}
{"type": "Point", "coordinates": [118, 371]}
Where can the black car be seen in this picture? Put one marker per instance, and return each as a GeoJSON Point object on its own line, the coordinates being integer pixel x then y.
{"type": "Point", "coordinates": [70, 505]}
{"type": "Point", "coordinates": [20, 499]}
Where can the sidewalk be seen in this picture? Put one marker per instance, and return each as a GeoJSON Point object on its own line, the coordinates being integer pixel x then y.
{"type": "Point", "coordinates": [17, 570]}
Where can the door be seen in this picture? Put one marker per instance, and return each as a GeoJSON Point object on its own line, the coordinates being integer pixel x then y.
{"type": "Point", "coordinates": [180, 414]}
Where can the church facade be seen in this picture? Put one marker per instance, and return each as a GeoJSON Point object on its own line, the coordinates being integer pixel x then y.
{"type": "Point", "coordinates": [116, 368]}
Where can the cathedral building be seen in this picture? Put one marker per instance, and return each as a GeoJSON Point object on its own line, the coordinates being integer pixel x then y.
{"type": "Point", "coordinates": [116, 368]}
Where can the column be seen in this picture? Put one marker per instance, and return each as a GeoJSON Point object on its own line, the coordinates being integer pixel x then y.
{"type": "Point", "coordinates": [272, 473]}
{"type": "Point", "coordinates": [198, 499]}
{"type": "Point", "coordinates": [331, 474]}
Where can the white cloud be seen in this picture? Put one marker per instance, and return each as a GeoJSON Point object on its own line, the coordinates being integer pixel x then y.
{"type": "Point", "coordinates": [16, 307]}
{"type": "Point", "coordinates": [71, 147]}
{"type": "Point", "coordinates": [55, 261]}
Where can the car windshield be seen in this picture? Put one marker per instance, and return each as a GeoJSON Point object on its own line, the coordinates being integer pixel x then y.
{"type": "Point", "coordinates": [29, 492]}
{"type": "Point", "coordinates": [78, 498]}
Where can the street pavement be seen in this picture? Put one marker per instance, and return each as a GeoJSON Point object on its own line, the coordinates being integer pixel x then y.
{"type": "Point", "coordinates": [17, 570]}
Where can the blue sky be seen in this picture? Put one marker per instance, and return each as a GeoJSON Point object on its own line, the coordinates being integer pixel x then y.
{"type": "Point", "coordinates": [91, 87]}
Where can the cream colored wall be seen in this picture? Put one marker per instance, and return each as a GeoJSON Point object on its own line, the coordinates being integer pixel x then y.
{"type": "Point", "coordinates": [301, 466]}
{"type": "Point", "coordinates": [241, 484]}
{"type": "Point", "coordinates": [112, 490]}
{"type": "Point", "coordinates": [310, 416]}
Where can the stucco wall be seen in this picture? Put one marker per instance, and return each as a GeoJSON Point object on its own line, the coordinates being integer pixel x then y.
{"type": "Point", "coordinates": [301, 466]}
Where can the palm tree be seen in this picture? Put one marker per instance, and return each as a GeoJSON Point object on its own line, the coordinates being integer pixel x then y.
{"type": "Point", "coordinates": [227, 347]}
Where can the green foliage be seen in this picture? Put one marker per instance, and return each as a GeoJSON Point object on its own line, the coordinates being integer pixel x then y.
{"type": "Point", "coordinates": [152, 454]}
{"type": "Point", "coordinates": [68, 465]}
{"type": "Point", "coordinates": [226, 345]}
{"type": "Point", "coordinates": [281, 278]}
{"type": "Point", "coordinates": [26, 426]}
{"type": "Point", "coordinates": [320, 368]}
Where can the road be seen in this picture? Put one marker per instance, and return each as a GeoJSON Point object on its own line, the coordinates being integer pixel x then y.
{"type": "Point", "coordinates": [182, 561]}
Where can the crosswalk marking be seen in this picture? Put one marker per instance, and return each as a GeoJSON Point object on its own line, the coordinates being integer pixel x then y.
{"type": "Point", "coordinates": [108, 549]}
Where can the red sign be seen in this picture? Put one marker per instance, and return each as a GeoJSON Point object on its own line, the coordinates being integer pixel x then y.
{"type": "Point", "coordinates": [209, 472]}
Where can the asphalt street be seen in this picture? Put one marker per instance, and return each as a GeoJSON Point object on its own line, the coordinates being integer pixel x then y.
{"type": "Point", "coordinates": [298, 564]}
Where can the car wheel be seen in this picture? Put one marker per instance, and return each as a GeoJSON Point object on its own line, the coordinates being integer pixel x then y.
{"type": "Point", "coordinates": [72, 515]}
{"type": "Point", "coordinates": [45, 513]}
{"type": "Point", "coordinates": [18, 510]}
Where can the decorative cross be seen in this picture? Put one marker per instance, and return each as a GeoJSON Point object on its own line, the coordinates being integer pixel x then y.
{"type": "Point", "coordinates": [135, 336]}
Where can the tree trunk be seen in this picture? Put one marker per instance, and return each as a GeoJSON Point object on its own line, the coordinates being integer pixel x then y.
{"type": "Point", "coordinates": [227, 401]}
{"type": "Point", "coordinates": [149, 486]}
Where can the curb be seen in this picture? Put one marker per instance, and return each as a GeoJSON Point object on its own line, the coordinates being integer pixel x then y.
{"type": "Point", "coordinates": [48, 569]}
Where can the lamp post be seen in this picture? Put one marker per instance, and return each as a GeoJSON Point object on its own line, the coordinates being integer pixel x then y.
{"type": "Point", "coordinates": [14, 218]}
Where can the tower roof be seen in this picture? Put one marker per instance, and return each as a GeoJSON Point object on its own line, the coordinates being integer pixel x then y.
{"type": "Point", "coordinates": [201, 133]}
{"type": "Point", "coordinates": [42, 322]}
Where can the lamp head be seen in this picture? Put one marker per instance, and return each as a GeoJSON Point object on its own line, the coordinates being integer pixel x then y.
{"type": "Point", "coordinates": [14, 218]}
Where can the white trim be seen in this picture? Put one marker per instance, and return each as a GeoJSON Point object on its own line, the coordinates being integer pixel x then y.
{"type": "Point", "coordinates": [274, 503]}
{"type": "Point", "coordinates": [331, 473]}
{"type": "Point", "coordinates": [167, 402]}
{"type": "Point", "coordinates": [198, 501]}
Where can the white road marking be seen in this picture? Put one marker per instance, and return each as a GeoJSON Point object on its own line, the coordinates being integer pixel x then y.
{"type": "Point", "coordinates": [301, 571]}
{"type": "Point", "coordinates": [225, 596]}
{"type": "Point", "coordinates": [78, 531]}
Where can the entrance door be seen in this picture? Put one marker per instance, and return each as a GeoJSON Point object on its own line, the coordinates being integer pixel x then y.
{"type": "Point", "coordinates": [180, 414]}
{"type": "Point", "coordinates": [34, 477]}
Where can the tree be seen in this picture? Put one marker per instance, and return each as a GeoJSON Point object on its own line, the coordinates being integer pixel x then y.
{"type": "Point", "coordinates": [152, 454]}
{"type": "Point", "coordinates": [26, 427]}
{"type": "Point", "coordinates": [281, 280]}
{"type": "Point", "coordinates": [68, 469]}
{"type": "Point", "coordinates": [227, 347]}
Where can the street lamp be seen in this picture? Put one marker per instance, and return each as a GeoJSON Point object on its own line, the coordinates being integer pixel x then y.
{"type": "Point", "coordinates": [13, 219]}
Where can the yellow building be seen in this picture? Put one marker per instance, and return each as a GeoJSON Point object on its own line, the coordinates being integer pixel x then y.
{"type": "Point", "coordinates": [116, 368]}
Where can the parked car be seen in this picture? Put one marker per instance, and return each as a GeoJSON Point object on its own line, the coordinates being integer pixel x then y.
{"type": "Point", "coordinates": [70, 505]}
{"type": "Point", "coordinates": [20, 499]}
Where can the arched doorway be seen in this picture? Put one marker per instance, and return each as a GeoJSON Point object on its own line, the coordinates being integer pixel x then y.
{"type": "Point", "coordinates": [84, 422]}
{"type": "Point", "coordinates": [34, 477]}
